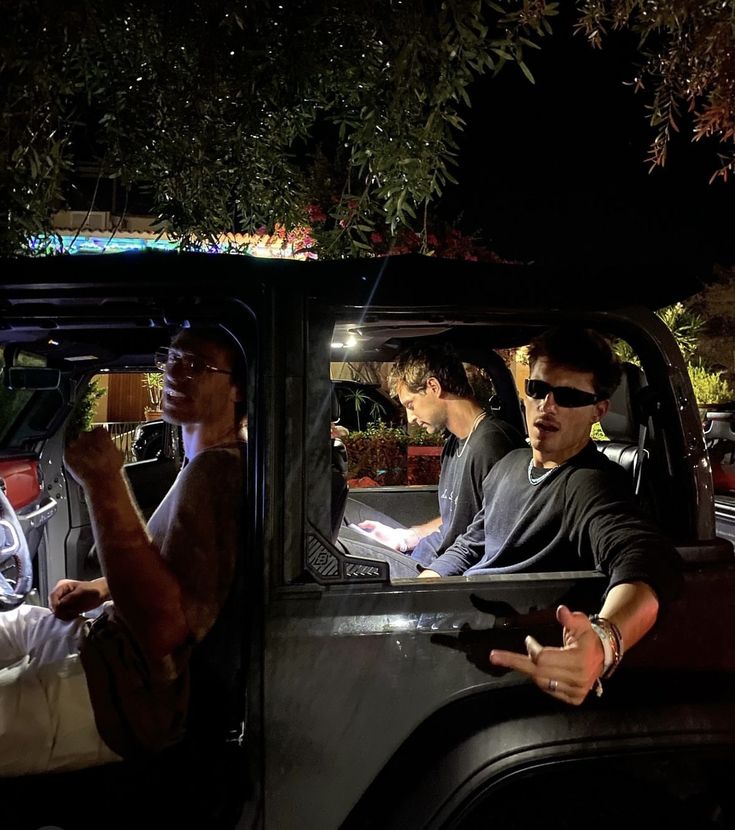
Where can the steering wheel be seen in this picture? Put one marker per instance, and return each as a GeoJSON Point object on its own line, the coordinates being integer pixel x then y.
{"type": "Point", "coordinates": [13, 546]}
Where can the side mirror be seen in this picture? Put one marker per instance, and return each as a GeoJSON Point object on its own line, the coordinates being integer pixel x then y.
{"type": "Point", "coordinates": [31, 377]}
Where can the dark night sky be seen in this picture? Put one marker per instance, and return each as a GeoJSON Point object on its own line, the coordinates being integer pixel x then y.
{"type": "Point", "coordinates": [556, 171]}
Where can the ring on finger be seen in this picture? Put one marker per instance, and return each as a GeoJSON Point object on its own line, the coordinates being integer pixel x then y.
{"type": "Point", "coordinates": [553, 684]}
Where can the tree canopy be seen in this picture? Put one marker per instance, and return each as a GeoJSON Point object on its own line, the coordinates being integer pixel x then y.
{"type": "Point", "coordinates": [240, 114]}
{"type": "Point", "coordinates": [236, 115]}
{"type": "Point", "coordinates": [684, 65]}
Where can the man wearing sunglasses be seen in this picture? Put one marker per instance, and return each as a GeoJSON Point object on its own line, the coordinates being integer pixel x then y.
{"type": "Point", "coordinates": [562, 505]}
{"type": "Point", "coordinates": [93, 693]}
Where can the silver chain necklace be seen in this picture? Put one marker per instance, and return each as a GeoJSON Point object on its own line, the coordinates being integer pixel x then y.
{"type": "Point", "coordinates": [472, 429]}
{"type": "Point", "coordinates": [539, 479]}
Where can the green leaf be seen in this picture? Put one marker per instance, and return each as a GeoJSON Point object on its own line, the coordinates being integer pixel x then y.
{"type": "Point", "coordinates": [526, 71]}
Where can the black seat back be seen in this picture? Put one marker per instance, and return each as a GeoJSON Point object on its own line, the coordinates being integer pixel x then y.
{"type": "Point", "coordinates": [624, 426]}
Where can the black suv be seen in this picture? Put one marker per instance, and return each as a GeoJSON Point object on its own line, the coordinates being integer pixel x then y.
{"type": "Point", "coordinates": [148, 439]}
{"type": "Point", "coordinates": [371, 703]}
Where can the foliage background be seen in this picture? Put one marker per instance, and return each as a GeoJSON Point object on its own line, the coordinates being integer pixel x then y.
{"type": "Point", "coordinates": [238, 115]}
{"type": "Point", "coordinates": [226, 115]}
{"type": "Point", "coordinates": [688, 327]}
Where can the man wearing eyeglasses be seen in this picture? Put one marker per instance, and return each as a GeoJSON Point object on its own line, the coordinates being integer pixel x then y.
{"type": "Point", "coordinates": [165, 587]}
{"type": "Point", "coordinates": [564, 506]}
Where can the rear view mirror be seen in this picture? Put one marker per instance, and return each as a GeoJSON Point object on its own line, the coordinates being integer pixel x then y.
{"type": "Point", "coordinates": [31, 377]}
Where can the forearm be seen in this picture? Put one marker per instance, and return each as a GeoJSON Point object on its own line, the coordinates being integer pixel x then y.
{"type": "Point", "coordinates": [426, 529]}
{"type": "Point", "coordinates": [146, 594]}
{"type": "Point", "coordinates": [633, 607]}
{"type": "Point", "coordinates": [413, 535]}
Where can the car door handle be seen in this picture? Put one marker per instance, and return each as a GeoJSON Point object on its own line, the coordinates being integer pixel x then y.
{"type": "Point", "coordinates": [40, 515]}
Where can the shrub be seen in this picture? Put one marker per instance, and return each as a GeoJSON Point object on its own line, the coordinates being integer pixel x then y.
{"type": "Point", "coordinates": [378, 452]}
{"type": "Point", "coordinates": [419, 437]}
{"type": "Point", "coordinates": [709, 387]}
{"type": "Point", "coordinates": [82, 415]}
{"type": "Point", "coordinates": [598, 433]}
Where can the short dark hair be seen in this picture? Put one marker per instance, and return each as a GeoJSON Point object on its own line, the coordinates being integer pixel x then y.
{"type": "Point", "coordinates": [582, 350]}
{"type": "Point", "coordinates": [415, 365]}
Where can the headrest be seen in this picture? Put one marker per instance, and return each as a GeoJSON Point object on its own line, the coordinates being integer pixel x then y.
{"type": "Point", "coordinates": [621, 423]}
{"type": "Point", "coordinates": [719, 425]}
{"type": "Point", "coordinates": [335, 406]}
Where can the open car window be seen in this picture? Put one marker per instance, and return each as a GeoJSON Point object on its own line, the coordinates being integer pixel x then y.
{"type": "Point", "coordinates": [393, 468]}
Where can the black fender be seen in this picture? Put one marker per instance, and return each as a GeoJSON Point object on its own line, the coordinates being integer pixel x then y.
{"type": "Point", "coordinates": [499, 748]}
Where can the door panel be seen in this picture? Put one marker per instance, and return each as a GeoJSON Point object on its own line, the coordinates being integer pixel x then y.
{"type": "Point", "coordinates": [22, 477]}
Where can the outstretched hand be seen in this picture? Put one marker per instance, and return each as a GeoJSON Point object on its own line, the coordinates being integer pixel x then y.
{"type": "Point", "coordinates": [567, 673]}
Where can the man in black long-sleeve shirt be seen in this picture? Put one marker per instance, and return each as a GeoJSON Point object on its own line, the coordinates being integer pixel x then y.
{"type": "Point", "coordinates": [576, 515]}
{"type": "Point", "coordinates": [564, 506]}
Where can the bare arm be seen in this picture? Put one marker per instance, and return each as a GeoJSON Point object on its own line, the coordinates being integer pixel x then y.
{"type": "Point", "coordinates": [146, 593]}
{"type": "Point", "coordinates": [568, 673]}
{"type": "Point", "coordinates": [633, 607]}
{"type": "Point", "coordinates": [402, 539]}
{"type": "Point", "coordinates": [427, 528]}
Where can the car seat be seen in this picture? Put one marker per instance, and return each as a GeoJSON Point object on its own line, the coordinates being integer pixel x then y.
{"type": "Point", "coordinates": [624, 425]}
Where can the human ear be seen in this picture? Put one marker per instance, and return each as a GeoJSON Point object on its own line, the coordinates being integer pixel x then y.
{"type": "Point", "coordinates": [433, 386]}
{"type": "Point", "coordinates": [601, 408]}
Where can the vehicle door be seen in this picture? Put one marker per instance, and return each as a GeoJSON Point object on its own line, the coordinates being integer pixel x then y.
{"type": "Point", "coordinates": [31, 405]}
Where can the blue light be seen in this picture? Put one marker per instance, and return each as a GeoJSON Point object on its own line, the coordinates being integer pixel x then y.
{"type": "Point", "coordinates": [91, 243]}
{"type": "Point", "coordinates": [81, 244]}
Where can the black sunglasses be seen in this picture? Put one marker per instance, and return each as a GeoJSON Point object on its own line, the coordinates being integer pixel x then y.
{"type": "Point", "coordinates": [566, 396]}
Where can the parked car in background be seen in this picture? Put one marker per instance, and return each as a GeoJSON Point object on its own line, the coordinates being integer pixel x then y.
{"type": "Point", "coordinates": [365, 702]}
{"type": "Point", "coordinates": [152, 439]}
{"type": "Point", "coordinates": [719, 435]}
{"type": "Point", "coordinates": [363, 403]}
{"type": "Point", "coordinates": [148, 439]}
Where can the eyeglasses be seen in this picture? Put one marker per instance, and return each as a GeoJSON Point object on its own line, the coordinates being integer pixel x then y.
{"type": "Point", "coordinates": [567, 396]}
{"type": "Point", "coordinates": [190, 364]}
